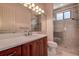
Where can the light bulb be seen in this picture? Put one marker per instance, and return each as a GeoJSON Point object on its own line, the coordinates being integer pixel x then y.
{"type": "Point", "coordinates": [25, 5]}
{"type": "Point", "coordinates": [37, 10]}
{"type": "Point", "coordinates": [37, 7]}
{"type": "Point", "coordinates": [33, 5]}
{"type": "Point", "coordinates": [30, 7]}
{"type": "Point", "coordinates": [42, 11]}
{"type": "Point", "coordinates": [33, 9]}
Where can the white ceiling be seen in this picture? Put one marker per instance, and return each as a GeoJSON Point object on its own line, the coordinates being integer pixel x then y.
{"type": "Point", "coordinates": [58, 5]}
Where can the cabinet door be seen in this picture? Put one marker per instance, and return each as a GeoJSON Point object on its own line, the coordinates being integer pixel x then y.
{"type": "Point", "coordinates": [29, 49]}
{"type": "Point", "coordinates": [37, 48]}
{"type": "Point", "coordinates": [16, 51]}
{"type": "Point", "coordinates": [33, 48]}
{"type": "Point", "coordinates": [25, 50]}
{"type": "Point", "coordinates": [40, 47]}
{"type": "Point", "coordinates": [45, 46]}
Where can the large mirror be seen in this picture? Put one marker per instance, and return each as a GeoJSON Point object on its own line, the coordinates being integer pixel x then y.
{"type": "Point", "coordinates": [15, 18]}
{"type": "Point", "coordinates": [36, 23]}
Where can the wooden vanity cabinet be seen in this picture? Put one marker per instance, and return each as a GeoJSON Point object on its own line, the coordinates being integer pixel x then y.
{"type": "Point", "coordinates": [16, 51]}
{"type": "Point", "coordinates": [33, 48]}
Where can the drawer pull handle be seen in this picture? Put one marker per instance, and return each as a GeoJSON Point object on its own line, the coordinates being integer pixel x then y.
{"type": "Point", "coordinates": [12, 54]}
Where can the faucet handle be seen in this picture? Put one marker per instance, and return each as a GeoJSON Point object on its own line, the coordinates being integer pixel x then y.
{"type": "Point", "coordinates": [30, 33]}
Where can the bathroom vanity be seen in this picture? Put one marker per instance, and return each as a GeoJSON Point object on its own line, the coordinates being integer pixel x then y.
{"type": "Point", "coordinates": [34, 45]}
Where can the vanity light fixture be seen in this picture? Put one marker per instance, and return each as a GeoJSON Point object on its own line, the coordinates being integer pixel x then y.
{"type": "Point", "coordinates": [33, 7]}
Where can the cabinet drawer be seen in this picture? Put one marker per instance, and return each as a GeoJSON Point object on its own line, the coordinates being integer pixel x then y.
{"type": "Point", "coordinates": [16, 51]}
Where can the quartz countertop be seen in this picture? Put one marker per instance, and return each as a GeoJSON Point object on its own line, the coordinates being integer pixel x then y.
{"type": "Point", "coordinates": [16, 41]}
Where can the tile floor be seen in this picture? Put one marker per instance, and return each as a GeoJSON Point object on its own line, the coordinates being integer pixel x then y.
{"type": "Point", "coordinates": [60, 51]}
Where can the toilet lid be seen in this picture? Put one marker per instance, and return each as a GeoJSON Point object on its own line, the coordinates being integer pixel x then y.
{"type": "Point", "coordinates": [52, 44]}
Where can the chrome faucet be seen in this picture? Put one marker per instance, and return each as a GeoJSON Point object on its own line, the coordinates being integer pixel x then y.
{"type": "Point", "coordinates": [27, 33]}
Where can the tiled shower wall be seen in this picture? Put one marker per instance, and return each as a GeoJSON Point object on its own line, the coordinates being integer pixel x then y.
{"type": "Point", "coordinates": [69, 27]}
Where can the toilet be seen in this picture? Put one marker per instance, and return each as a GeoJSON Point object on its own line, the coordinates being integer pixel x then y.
{"type": "Point", "coordinates": [52, 48]}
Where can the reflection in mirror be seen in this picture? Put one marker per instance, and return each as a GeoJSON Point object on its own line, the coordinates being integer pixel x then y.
{"type": "Point", "coordinates": [36, 23]}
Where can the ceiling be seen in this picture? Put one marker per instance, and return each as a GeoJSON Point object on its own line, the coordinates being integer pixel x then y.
{"type": "Point", "coordinates": [59, 5]}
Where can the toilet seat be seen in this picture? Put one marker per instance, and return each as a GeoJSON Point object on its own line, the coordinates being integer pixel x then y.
{"type": "Point", "coordinates": [52, 44]}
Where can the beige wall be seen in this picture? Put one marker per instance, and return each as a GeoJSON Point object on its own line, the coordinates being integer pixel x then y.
{"type": "Point", "coordinates": [44, 24]}
{"type": "Point", "coordinates": [49, 16]}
